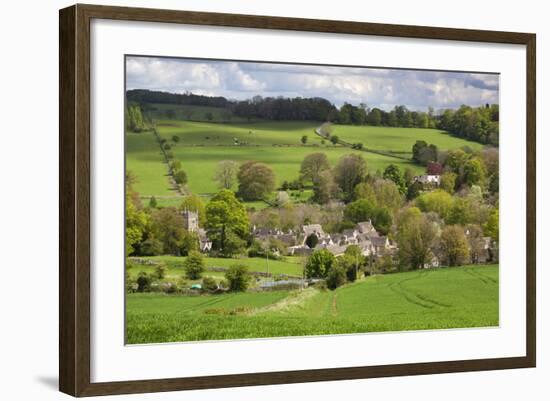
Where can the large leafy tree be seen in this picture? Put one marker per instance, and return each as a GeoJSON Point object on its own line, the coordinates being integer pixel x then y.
{"type": "Point", "coordinates": [474, 172]}
{"type": "Point", "coordinates": [256, 180]}
{"type": "Point", "coordinates": [387, 194]}
{"type": "Point", "coordinates": [137, 220]}
{"type": "Point", "coordinates": [226, 174]}
{"type": "Point", "coordinates": [454, 245]}
{"type": "Point", "coordinates": [364, 190]}
{"type": "Point", "coordinates": [319, 264]}
{"type": "Point", "coordinates": [136, 224]}
{"type": "Point", "coordinates": [313, 165]}
{"type": "Point", "coordinates": [424, 153]}
{"type": "Point", "coordinates": [448, 182]}
{"type": "Point", "coordinates": [438, 201]}
{"type": "Point", "coordinates": [416, 236]}
{"type": "Point", "coordinates": [360, 210]}
{"type": "Point", "coordinates": [226, 217]}
{"type": "Point", "coordinates": [168, 227]}
{"type": "Point", "coordinates": [350, 171]}
{"type": "Point", "coordinates": [325, 188]}
{"type": "Point", "coordinates": [392, 173]}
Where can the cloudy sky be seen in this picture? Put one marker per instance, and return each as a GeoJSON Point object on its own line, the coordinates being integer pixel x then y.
{"type": "Point", "coordinates": [383, 88]}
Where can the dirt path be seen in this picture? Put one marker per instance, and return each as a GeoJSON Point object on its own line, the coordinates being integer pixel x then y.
{"type": "Point", "coordinates": [334, 306]}
{"type": "Point", "coordinates": [293, 301]}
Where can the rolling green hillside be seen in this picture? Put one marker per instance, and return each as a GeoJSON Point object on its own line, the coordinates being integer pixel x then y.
{"type": "Point", "coordinates": [202, 145]}
{"type": "Point", "coordinates": [145, 161]}
{"type": "Point", "coordinates": [200, 162]}
{"type": "Point", "coordinates": [399, 139]}
{"type": "Point", "coordinates": [429, 299]}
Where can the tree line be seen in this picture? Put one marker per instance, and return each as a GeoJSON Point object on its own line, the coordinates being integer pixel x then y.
{"type": "Point", "coordinates": [480, 124]}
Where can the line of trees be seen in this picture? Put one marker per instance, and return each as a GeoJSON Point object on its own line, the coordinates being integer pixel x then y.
{"type": "Point", "coordinates": [134, 119]}
{"type": "Point", "coordinates": [280, 108]}
{"type": "Point", "coordinates": [147, 96]}
{"type": "Point", "coordinates": [474, 123]}
{"type": "Point", "coordinates": [480, 124]}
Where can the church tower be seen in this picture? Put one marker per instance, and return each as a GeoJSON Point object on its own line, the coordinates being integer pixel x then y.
{"type": "Point", "coordinates": [190, 220]}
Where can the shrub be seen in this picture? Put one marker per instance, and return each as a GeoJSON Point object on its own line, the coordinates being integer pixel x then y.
{"type": "Point", "coordinates": [320, 285]}
{"type": "Point", "coordinates": [237, 277]}
{"type": "Point", "coordinates": [160, 272]}
{"type": "Point", "coordinates": [153, 202]}
{"type": "Point", "coordinates": [151, 247]}
{"type": "Point", "coordinates": [175, 165]}
{"type": "Point", "coordinates": [209, 284]}
{"type": "Point", "coordinates": [182, 284]}
{"type": "Point", "coordinates": [336, 277]}
{"type": "Point", "coordinates": [312, 240]}
{"type": "Point", "coordinates": [319, 264]}
{"type": "Point", "coordinates": [180, 177]}
{"type": "Point", "coordinates": [193, 265]}
{"type": "Point", "coordinates": [169, 288]}
{"type": "Point", "coordinates": [130, 286]}
{"type": "Point", "coordinates": [144, 282]}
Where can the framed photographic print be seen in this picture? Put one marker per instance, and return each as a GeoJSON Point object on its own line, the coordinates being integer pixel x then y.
{"type": "Point", "coordinates": [250, 200]}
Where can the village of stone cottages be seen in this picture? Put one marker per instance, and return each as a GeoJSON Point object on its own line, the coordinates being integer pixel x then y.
{"type": "Point", "coordinates": [353, 224]}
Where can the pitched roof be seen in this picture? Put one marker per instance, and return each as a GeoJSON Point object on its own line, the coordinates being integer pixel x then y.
{"type": "Point", "coordinates": [379, 241]}
{"type": "Point", "coordinates": [349, 232]}
{"type": "Point", "coordinates": [312, 229]}
{"type": "Point", "coordinates": [365, 227]}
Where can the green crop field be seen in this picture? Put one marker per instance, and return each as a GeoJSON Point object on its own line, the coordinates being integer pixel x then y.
{"type": "Point", "coordinates": [430, 299]}
{"type": "Point", "coordinates": [399, 139]}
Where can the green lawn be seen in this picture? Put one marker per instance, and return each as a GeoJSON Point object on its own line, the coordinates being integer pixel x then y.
{"type": "Point", "coordinates": [429, 299]}
{"type": "Point", "coordinates": [174, 264]}
{"type": "Point", "coordinates": [399, 139]}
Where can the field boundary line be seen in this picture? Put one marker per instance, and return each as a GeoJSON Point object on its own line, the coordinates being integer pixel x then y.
{"type": "Point", "coordinates": [363, 149]}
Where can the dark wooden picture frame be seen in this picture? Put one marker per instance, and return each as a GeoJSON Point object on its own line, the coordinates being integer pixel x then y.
{"type": "Point", "coordinates": [74, 199]}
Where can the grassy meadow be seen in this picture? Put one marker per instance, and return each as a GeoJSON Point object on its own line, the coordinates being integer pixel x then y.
{"type": "Point", "coordinates": [144, 159]}
{"type": "Point", "coordinates": [291, 266]}
{"type": "Point", "coordinates": [394, 139]}
{"type": "Point", "coordinates": [203, 144]}
{"type": "Point", "coordinates": [429, 299]}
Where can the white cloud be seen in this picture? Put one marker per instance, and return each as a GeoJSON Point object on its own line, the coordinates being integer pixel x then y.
{"type": "Point", "coordinates": [374, 86]}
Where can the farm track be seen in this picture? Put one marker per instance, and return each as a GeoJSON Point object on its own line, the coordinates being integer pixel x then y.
{"type": "Point", "coordinates": [367, 150]}
{"type": "Point", "coordinates": [415, 298]}
{"type": "Point", "coordinates": [334, 305]}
